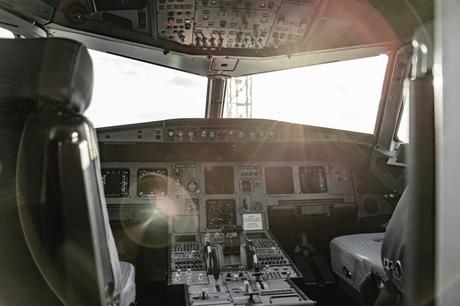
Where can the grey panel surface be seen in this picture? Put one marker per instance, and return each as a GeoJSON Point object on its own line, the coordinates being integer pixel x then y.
{"type": "Point", "coordinates": [128, 295]}
{"type": "Point", "coordinates": [358, 254]}
{"type": "Point", "coordinates": [179, 200]}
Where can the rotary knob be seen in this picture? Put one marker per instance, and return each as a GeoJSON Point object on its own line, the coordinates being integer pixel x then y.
{"type": "Point", "coordinates": [192, 186]}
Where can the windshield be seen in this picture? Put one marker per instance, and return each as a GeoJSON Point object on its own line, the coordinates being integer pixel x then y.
{"type": "Point", "coordinates": [4, 33]}
{"type": "Point", "coordinates": [403, 128]}
{"type": "Point", "coordinates": [128, 91]}
{"type": "Point", "coordinates": [341, 95]}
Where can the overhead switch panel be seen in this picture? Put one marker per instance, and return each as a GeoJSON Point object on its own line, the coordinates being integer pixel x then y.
{"type": "Point", "coordinates": [250, 24]}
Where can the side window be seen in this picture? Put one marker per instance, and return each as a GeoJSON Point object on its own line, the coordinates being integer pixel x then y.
{"type": "Point", "coordinates": [4, 33]}
{"type": "Point", "coordinates": [403, 128]}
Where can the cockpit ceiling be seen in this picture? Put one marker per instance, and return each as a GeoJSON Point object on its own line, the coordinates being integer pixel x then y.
{"type": "Point", "coordinates": [239, 27]}
{"type": "Point", "coordinates": [210, 37]}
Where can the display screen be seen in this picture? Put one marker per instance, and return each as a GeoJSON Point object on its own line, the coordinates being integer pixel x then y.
{"type": "Point", "coordinates": [279, 180]}
{"type": "Point", "coordinates": [192, 206]}
{"type": "Point", "coordinates": [185, 238]}
{"type": "Point", "coordinates": [255, 236]}
{"type": "Point", "coordinates": [116, 182]}
{"type": "Point", "coordinates": [219, 180]}
{"type": "Point", "coordinates": [313, 179]}
{"type": "Point", "coordinates": [152, 182]}
{"type": "Point", "coordinates": [220, 212]}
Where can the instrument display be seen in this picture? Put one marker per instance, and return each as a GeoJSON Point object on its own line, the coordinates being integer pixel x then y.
{"type": "Point", "coordinates": [220, 212]}
{"type": "Point", "coordinates": [152, 182]}
{"type": "Point", "coordinates": [313, 179]}
{"type": "Point", "coordinates": [116, 182]}
{"type": "Point", "coordinates": [279, 180]}
{"type": "Point", "coordinates": [219, 180]}
{"type": "Point", "coordinates": [192, 206]}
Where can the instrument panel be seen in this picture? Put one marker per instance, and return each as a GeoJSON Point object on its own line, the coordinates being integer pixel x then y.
{"type": "Point", "coordinates": [152, 182]}
{"type": "Point", "coordinates": [116, 182]}
{"type": "Point", "coordinates": [211, 24]}
{"type": "Point", "coordinates": [220, 212]}
{"type": "Point", "coordinates": [205, 196]}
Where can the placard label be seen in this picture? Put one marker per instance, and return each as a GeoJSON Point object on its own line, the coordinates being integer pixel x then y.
{"type": "Point", "coordinates": [252, 222]}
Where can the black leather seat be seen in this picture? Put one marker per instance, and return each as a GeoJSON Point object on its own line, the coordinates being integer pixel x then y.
{"type": "Point", "coordinates": [51, 183]}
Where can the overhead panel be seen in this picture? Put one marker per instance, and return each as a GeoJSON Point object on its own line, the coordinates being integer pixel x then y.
{"type": "Point", "coordinates": [219, 24]}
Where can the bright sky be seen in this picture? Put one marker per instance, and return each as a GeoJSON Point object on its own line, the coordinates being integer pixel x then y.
{"type": "Point", "coordinates": [5, 33]}
{"type": "Point", "coordinates": [342, 95]}
{"type": "Point", "coordinates": [403, 129]}
{"type": "Point", "coordinates": [129, 91]}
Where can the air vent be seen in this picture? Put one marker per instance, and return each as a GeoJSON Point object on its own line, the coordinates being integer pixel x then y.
{"type": "Point", "coordinates": [224, 64]}
{"type": "Point", "coordinates": [370, 205]}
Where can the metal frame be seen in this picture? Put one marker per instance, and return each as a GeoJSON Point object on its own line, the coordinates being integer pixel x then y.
{"type": "Point", "coordinates": [215, 96]}
{"type": "Point", "coordinates": [18, 25]}
{"type": "Point", "coordinates": [447, 109]}
{"type": "Point", "coordinates": [385, 146]}
{"type": "Point", "coordinates": [203, 65]}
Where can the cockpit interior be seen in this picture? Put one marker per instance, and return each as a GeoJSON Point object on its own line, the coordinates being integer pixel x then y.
{"type": "Point", "coordinates": [216, 152]}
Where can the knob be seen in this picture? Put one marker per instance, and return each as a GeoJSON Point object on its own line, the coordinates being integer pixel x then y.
{"type": "Point", "coordinates": [192, 186]}
{"type": "Point", "coordinates": [204, 294]}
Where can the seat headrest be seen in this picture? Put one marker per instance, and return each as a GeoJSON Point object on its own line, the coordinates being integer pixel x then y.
{"type": "Point", "coordinates": [50, 73]}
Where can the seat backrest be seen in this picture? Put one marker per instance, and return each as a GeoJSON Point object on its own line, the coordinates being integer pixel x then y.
{"type": "Point", "coordinates": [45, 86]}
{"type": "Point", "coordinates": [409, 244]}
{"type": "Point", "coordinates": [393, 243]}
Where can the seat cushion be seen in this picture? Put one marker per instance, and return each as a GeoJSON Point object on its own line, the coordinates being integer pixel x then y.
{"type": "Point", "coordinates": [355, 257]}
{"type": "Point", "coordinates": [128, 280]}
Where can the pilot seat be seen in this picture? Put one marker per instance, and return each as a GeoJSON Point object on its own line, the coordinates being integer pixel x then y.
{"type": "Point", "coordinates": [54, 194]}
{"type": "Point", "coordinates": [358, 259]}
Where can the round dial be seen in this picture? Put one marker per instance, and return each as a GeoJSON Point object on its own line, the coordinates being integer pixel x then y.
{"type": "Point", "coordinates": [152, 182]}
{"type": "Point", "coordinates": [192, 186]}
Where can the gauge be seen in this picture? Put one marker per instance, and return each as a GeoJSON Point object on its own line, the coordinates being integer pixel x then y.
{"type": "Point", "coordinates": [116, 182]}
{"type": "Point", "coordinates": [152, 182]}
{"type": "Point", "coordinates": [192, 207]}
{"type": "Point", "coordinates": [192, 186]}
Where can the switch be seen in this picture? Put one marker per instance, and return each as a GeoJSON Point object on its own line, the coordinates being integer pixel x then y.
{"type": "Point", "coordinates": [204, 295]}
{"type": "Point", "coordinates": [246, 186]}
{"type": "Point", "coordinates": [246, 286]}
